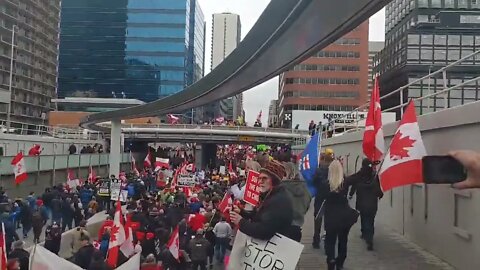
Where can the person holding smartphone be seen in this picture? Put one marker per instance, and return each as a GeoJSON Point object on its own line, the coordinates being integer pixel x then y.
{"type": "Point", "coordinates": [471, 161]}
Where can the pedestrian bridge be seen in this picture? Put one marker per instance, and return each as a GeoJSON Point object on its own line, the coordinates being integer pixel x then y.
{"type": "Point", "coordinates": [430, 215]}
{"type": "Point", "coordinates": [212, 134]}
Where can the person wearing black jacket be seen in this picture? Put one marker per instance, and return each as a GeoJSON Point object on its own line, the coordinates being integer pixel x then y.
{"type": "Point", "coordinates": [274, 213]}
{"type": "Point", "coordinates": [68, 213]}
{"type": "Point", "coordinates": [83, 257]}
{"type": "Point", "coordinates": [21, 254]}
{"type": "Point", "coordinates": [368, 190]}
{"type": "Point", "coordinates": [320, 181]}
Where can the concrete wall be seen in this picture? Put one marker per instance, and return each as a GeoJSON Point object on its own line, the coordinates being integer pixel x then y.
{"type": "Point", "coordinates": [45, 171]}
{"type": "Point", "coordinates": [444, 221]}
{"type": "Point", "coordinates": [12, 144]}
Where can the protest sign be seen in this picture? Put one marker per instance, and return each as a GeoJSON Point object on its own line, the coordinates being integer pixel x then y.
{"type": "Point", "coordinates": [279, 253]}
{"type": "Point", "coordinates": [184, 180]}
{"type": "Point", "coordinates": [252, 188]}
{"type": "Point", "coordinates": [104, 188]}
{"type": "Point", "coordinates": [222, 170]}
{"type": "Point", "coordinates": [116, 192]}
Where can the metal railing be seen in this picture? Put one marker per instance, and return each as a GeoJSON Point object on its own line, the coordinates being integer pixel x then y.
{"type": "Point", "coordinates": [22, 128]}
{"type": "Point", "coordinates": [213, 127]}
{"type": "Point", "coordinates": [400, 90]}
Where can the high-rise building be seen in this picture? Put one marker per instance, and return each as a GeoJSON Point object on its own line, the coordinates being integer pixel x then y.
{"type": "Point", "coordinates": [273, 113]}
{"type": "Point", "coordinates": [30, 28]}
{"type": "Point", "coordinates": [374, 47]}
{"type": "Point", "coordinates": [332, 81]}
{"type": "Point", "coordinates": [137, 49]}
{"type": "Point", "coordinates": [423, 36]}
{"type": "Point", "coordinates": [226, 35]}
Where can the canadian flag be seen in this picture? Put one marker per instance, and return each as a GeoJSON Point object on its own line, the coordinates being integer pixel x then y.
{"type": "Point", "coordinates": [19, 169]}
{"type": "Point", "coordinates": [72, 182]}
{"type": "Point", "coordinates": [226, 203]}
{"type": "Point", "coordinates": [117, 237]}
{"type": "Point", "coordinates": [403, 161]}
{"type": "Point", "coordinates": [172, 119]}
{"type": "Point", "coordinates": [147, 162]}
{"type": "Point", "coordinates": [3, 249]}
{"type": "Point", "coordinates": [190, 167]}
{"type": "Point", "coordinates": [127, 248]}
{"type": "Point", "coordinates": [161, 163]}
{"type": "Point", "coordinates": [373, 141]}
{"type": "Point", "coordinates": [91, 175]}
{"type": "Point", "coordinates": [174, 244]}
{"type": "Point", "coordinates": [134, 165]}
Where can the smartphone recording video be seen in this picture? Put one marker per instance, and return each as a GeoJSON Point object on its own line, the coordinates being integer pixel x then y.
{"type": "Point", "coordinates": [442, 170]}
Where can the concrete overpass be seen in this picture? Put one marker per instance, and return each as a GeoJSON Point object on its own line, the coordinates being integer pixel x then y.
{"type": "Point", "coordinates": [432, 215]}
{"type": "Point", "coordinates": [212, 134]}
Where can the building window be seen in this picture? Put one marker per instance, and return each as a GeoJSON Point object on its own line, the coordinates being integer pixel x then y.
{"type": "Point", "coordinates": [422, 3]}
{"type": "Point", "coordinates": [462, 3]}
{"type": "Point", "coordinates": [449, 3]}
{"type": "Point", "coordinates": [437, 3]}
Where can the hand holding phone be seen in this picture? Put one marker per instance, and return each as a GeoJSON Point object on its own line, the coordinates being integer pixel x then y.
{"type": "Point", "coordinates": [442, 170]}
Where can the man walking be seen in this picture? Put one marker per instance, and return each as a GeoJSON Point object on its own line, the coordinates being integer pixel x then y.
{"type": "Point", "coordinates": [223, 232]}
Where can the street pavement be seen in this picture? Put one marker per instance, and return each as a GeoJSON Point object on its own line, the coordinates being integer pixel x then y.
{"type": "Point", "coordinates": [391, 252]}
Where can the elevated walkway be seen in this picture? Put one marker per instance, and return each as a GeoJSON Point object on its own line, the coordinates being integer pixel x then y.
{"type": "Point", "coordinates": [212, 134]}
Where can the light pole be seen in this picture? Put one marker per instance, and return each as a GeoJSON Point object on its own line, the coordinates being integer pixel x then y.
{"type": "Point", "coordinates": [9, 108]}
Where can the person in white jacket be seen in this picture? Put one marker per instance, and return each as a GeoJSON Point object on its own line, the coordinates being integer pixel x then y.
{"type": "Point", "coordinates": [223, 233]}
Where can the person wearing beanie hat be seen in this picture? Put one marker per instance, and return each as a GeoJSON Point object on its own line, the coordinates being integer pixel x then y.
{"type": "Point", "coordinates": [274, 212]}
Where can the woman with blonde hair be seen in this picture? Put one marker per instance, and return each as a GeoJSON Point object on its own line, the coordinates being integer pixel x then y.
{"type": "Point", "coordinates": [339, 216]}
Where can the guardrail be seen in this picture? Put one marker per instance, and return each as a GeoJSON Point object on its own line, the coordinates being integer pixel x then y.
{"type": "Point", "coordinates": [21, 128]}
{"type": "Point", "coordinates": [215, 127]}
{"type": "Point", "coordinates": [330, 126]}
{"type": "Point", "coordinates": [59, 162]}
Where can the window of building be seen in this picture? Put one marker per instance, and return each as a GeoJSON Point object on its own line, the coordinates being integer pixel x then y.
{"type": "Point", "coordinates": [453, 55]}
{"type": "Point", "coordinates": [413, 55]}
{"type": "Point", "coordinates": [427, 39]}
{"type": "Point", "coordinates": [439, 55]}
{"type": "Point", "coordinates": [440, 40]}
{"type": "Point", "coordinates": [422, 18]}
{"type": "Point", "coordinates": [436, 3]}
{"type": "Point", "coordinates": [453, 40]}
{"type": "Point", "coordinates": [476, 4]}
{"type": "Point", "coordinates": [422, 3]}
{"type": "Point", "coordinates": [413, 39]}
{"type": "Point", "coordinates": [462, 3]}
{"type": "Point", "coordinates": [426, 53]}
{"type": "Point", "coordinates": [449, 3]}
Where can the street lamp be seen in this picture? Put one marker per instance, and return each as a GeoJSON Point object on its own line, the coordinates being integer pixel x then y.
{"type": "Point", "coordinates": [9, 108]}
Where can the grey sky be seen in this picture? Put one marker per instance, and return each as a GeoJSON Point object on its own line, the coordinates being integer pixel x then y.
{"type": "Point", "coordinates": [259, 97]}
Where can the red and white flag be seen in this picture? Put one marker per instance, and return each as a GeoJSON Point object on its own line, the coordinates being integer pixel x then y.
{"type": "Point", "coordinates": [403, 161]}
{"type": "Point", "coordinates": [147, 162]}
{"type": "Point", "coordinates": [117, 237]}
{"type": "Point", "coordinates": [127, 248]}
{"type": "Point", "coordinates": [373, 141]}
{"type": "Point", "coordinates": [174, 244]}
{"type": "Point", "coordinates": [226, 203]}
{"type": "Point", "coordinates": [134, 165]}
{"type": "Point", "coordinates": [19, 168]}
{"type": "Point", "coordinates": [72, 181]}
{"type": "Point", "coordinates": [172, 119]}
{"type": "Point", "coordinates": [190, 167]}
{"type": "Point", "coordinates": [230, 170]}
{"type": "Point", "coordinates": [3, 249]}
{"type": "Point", "coordinates": [92, 176]}
{"type": "Point", "coordinates": [161, 163]}
{"type": "Point", "coordinates": [220, 120]}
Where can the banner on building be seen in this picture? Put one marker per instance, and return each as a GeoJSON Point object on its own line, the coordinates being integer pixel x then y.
{"type": "Point", "coordinates": [252, 188]}
{"type": "Point", "coordinates": [186, 180]}
{"type": "Point", "coordinates": [279, 252]}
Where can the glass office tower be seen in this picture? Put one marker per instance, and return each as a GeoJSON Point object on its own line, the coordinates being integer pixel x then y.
{"type": "Point", "coordinates": [142, 49]}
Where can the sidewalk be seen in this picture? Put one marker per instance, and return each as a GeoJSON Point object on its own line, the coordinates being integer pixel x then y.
{"type": "Point", "coordinates": [391, 252]}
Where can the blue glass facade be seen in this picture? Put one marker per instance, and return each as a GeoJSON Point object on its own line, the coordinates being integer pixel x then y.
{"type": "Point", "coordinates": [147, 49]}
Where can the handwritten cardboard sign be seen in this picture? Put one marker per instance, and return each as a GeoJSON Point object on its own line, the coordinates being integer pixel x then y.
{"type": "Point", "coordinates": [252, 188]}
{"type": "Point", "coordinates": [278, 253]}
{"type": "Point", "coordinates": [186, 180]}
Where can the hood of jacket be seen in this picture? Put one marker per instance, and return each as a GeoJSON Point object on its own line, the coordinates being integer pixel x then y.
{"type": "Point", "coordinates": [300, 199]}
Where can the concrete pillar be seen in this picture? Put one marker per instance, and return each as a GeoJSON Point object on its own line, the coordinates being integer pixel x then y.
{"type": "Point", "coordinates": [115, 137]}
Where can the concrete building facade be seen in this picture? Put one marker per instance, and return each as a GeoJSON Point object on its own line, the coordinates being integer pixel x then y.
{"type": "Point", "coordinates": [334, 79]}
{"type": "Point", "coordinates": [33, 71]}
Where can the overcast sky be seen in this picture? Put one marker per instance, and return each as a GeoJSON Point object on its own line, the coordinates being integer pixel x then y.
{"type": "Point", "coordinates": [259, 97]}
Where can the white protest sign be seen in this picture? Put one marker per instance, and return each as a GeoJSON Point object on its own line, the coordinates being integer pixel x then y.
{"type": "Point", "coordinates": [186, 180]}
{"type": "Point", "coordinates": [115, 188]}
{"type": "Point", "coordinates": [278, 253]}
{"type": "Point", "coordinates": [222, 169]}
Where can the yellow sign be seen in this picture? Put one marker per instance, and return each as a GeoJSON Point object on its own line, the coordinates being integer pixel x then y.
{"type": "Point", "coordinates": [246, 138]}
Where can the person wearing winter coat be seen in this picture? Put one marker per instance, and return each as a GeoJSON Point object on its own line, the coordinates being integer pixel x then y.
{"type": "Point", "coordinates": [199, 247]}
{"type": "Point", "coordinates": [53, 238]}
{"type": "Point", "coordinates": [83, 257]}
{"type": "Point", "coordinates": [25, 218]}
{"type": "Point", "coordinates": [368, 190]}
{"type": "Point", "coordinates": [10, 233]}
{"type": "Point", "coordinates": [21, 254]}
{"type": "Point", "coordinates": [39, 219]}
{"type": "Point", "coordinates": [274, 214]}
{"type": "Point", "coordinates": [320, 181]}
{"type": "Point", "coordinates": [339, 217]}
{"type": "Point", "coordinates": [98, 262]}
{"type": "Point", "coordinates": [78, 236]}
{"type": "Point", "coordinates": [68, 212]}
{"type": "Point", "coordinates": [298, 190]}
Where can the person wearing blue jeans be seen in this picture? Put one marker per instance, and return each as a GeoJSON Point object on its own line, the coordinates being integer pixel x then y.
{"type": "Point", "coordinates": [223, 232]}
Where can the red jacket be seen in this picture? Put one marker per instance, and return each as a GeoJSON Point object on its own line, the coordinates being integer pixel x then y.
{"type": "Point", "coordinates": [106, 225]}
{"type": "Point", "coordinates": [197, 222]}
